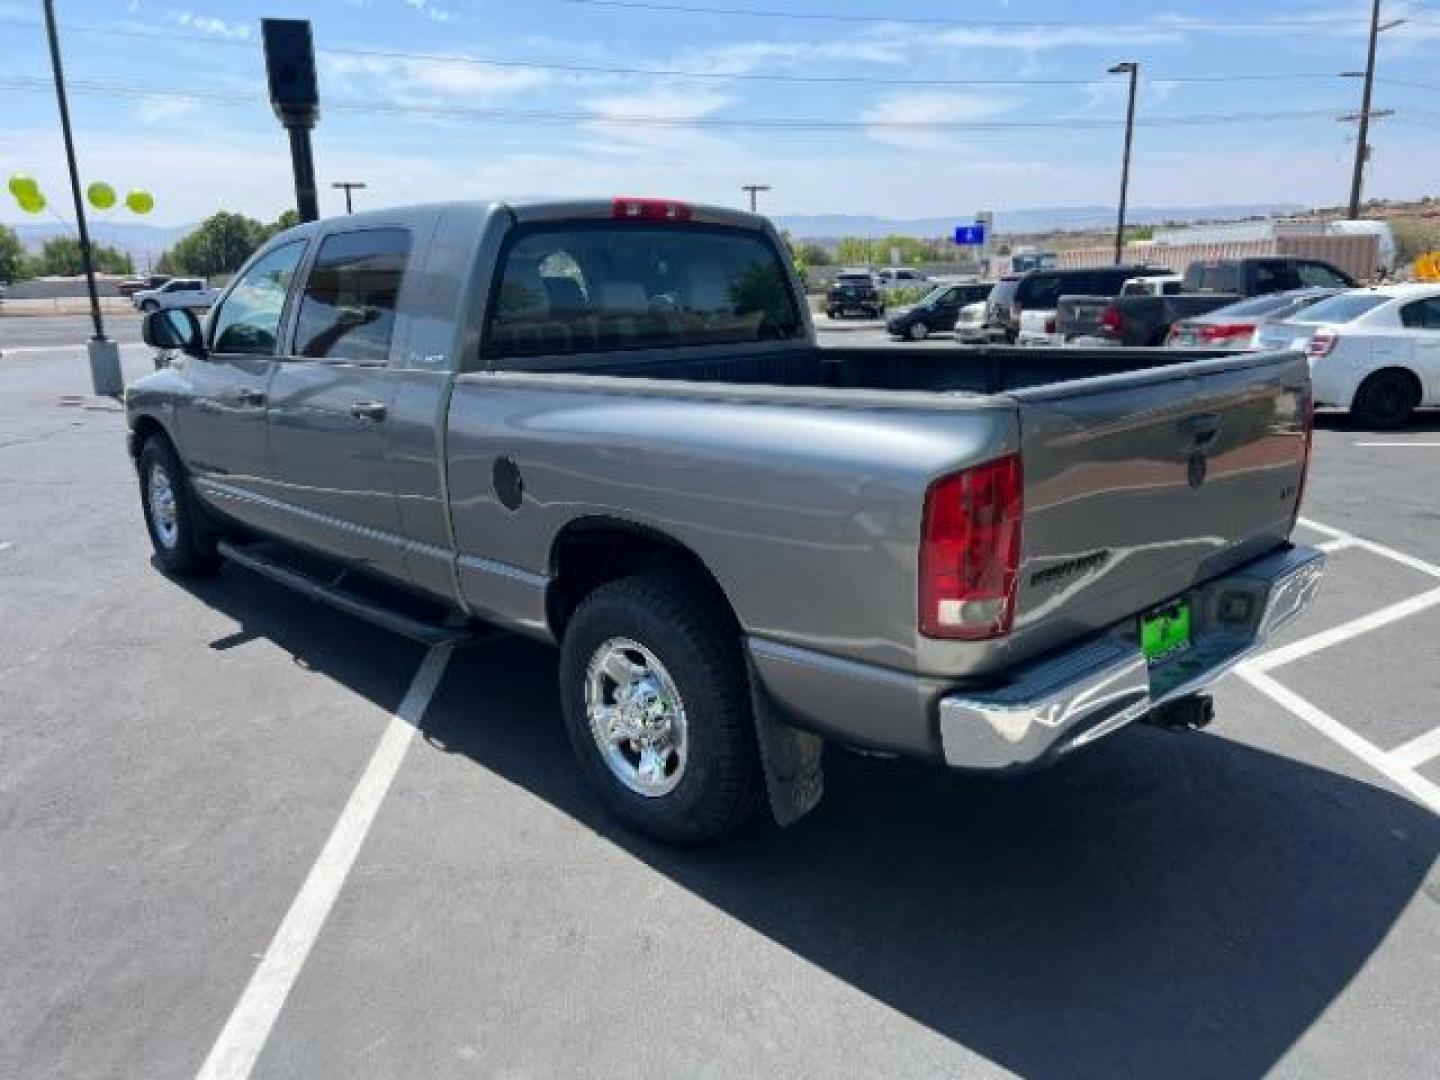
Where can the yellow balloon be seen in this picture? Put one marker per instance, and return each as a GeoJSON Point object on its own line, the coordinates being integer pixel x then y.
{"type": "Point", "coordinates": [32, 202]}
{"type": "Point", "coordinates": [22, 185]}
{"type": "Point", "coordinates": [101, 195]}
{"type": "Point", "coordinates": [140, 202]}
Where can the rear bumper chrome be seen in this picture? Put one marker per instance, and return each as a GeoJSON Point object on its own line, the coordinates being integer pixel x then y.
{"type": "Point", "coordinates": [1068, 700]}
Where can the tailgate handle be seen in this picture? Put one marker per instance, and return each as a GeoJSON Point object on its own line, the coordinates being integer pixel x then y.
{"type": "Point", "coordinates": [1202, 428]}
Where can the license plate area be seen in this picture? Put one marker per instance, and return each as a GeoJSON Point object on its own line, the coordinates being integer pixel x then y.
{"type": "Point", "coordinates": [1167, 631]}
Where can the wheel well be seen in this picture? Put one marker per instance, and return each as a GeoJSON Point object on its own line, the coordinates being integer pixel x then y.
{"type": "Point", "coordinates": [145, 428]}
{"type": "Point", "coordinates": [594, 552]}
{"type": "Point", "coordinates": [1414, 380]}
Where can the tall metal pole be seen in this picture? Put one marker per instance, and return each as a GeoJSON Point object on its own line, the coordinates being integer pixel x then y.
{"type": "Point", "coordinates": [348, 186]}
{"type": "Point", "coordinates": [106, 376]}
{"type": "Point", "coordinates": [85, 254]}
{"type": "Point", "coordinates": [302, 162]}
{"type": "Point", "coordinates": [1362, 140]}
{"type": "Point", "coordinates": [754, 189]}
{"type": "Point", "coordinates": [1134, 70]}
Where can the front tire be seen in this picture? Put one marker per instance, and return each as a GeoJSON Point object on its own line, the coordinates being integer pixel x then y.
{"type": "Point", "coordinates": [183, 544]}
{"type": "Point", "coordinates": [657, 706]}
{"type": "Point", "coordinates": [1386, 400]}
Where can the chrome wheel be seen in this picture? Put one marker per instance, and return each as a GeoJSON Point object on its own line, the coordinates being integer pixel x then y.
{"type": "Point", "coordinates": [636, 717]}
{"type": "Point", "coordinates": [164, 514]}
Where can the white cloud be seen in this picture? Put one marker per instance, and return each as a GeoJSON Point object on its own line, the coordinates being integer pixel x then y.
{"type": "Point", "coordinates": [211, 26]}
{"type": "Point", "coordinates": [924, 107]}
{"type": "Point", "coordinates": [409, 82]}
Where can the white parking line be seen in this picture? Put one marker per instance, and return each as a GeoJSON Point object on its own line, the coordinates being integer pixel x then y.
{"type": "Point", "coordinates": [244, 1035]}
{"type": "Point", "coordinates": [1370, 545]}
{"type": "Point", "coordinates": [1417, 751]}
{"type": "Point", "coordinates": [1429, 444]}
{"type": "Point", "coordinates": [1297, 650]}
{"type": "Point", "coordinates": [1422, 790]}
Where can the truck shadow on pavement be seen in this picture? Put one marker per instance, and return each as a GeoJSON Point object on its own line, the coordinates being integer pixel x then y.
{"type": "Point", "coordinates": [1165, 905]}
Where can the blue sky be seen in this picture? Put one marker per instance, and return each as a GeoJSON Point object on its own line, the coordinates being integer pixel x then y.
{"type": "Point", "coordinates": [420, 100]}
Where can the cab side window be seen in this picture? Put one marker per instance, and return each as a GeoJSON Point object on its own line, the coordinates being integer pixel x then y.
{"type": "Point", "coordinates": [348, 308]}
{"type": "Point", "coordinates": [1320, 276]}
{"type": "Point", "coordinates": [248, 320]}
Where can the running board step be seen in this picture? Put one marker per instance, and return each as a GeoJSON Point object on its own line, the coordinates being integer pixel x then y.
{"type": "Point", "coordinates": [426, 633]}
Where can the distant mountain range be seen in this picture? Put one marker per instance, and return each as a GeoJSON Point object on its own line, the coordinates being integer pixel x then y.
{"type": "Point", "coordinates": [1040, 219]}
{"type": "Point", "coordinates": [144, 243]}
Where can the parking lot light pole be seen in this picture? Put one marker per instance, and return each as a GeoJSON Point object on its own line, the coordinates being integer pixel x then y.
{"type": "Point", "coordinates": [1131, 68]}
{"type": "Point", "coordinates": [348, 186]}
{"type": "Point", "coordinates": [754, 189]}
{"type": "Point", "coordinates": [105, 375]}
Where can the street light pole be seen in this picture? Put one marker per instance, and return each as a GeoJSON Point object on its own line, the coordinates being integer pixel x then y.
{"type": "Point", "coordinates": [347, 186]}
{"type": "Point", "coordinates": [754, 189]}
{"type": "Point", "coordinates": [105, 376]}
{"type": "Point", "coordinates": [1131, 68]}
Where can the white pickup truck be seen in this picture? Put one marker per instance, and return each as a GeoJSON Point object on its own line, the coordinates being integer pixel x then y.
{"type": "Point", "coordinates": [176, 293]}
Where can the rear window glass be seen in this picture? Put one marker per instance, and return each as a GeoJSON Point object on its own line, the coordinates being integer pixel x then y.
{"type": "Point", "coordinates": [1340, 309]}
{"type": "Point", "coordinates": [606, 288]}
{"type": "Point", "coordinates": [348, 309]}
{"type": "Point", "coordinates": [1003, 292]}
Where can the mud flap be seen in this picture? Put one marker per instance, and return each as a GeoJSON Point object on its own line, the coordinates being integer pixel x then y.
{"type": "Point", "coordinates": [794, 777]}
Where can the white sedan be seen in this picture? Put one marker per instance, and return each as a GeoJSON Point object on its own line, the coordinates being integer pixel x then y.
{"type": "Point", "coordinates": [1374, 351]}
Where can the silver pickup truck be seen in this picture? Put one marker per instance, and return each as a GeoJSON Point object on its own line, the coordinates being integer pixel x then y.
{"type": "Point", "coordinates": [607, 425]}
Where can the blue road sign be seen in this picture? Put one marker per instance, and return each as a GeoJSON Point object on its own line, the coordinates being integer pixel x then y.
{"type": "Point", "coordinates": [970, 234]}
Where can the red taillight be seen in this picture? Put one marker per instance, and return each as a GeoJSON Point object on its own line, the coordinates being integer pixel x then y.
{"type": "Point", "coordinates": [1321, 343]}
{"type": "Point", "coordinates": [1225, 331]}
{"type": "Point", "coordinates": [650, 210]}
{"type": "Point", "coordinates": [970, 552]}
{"type": "Point", "coordinates": [1111, 319]}
{"type": "Point", "coordinates": [1050, 325]}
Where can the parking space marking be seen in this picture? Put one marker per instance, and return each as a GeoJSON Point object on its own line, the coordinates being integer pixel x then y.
{"type": "Point", "coordinates": [245, 1033]}
{"type": "Point", "coordinates": [1296, 650]}
{"type": "Point", "coordinates": [1338, 544]}
{"type": "Point", "coordinates": [1370, 545]}
{"type": "Point", "coordinates": [1429, 444]}
{"type": "Point", "coordinates": [1422, 790]}
{"type": "Point", "coordinates": [1417, 751]}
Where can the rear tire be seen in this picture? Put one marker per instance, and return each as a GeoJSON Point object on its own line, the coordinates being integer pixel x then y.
{"type": "Point", "coordinates": [1386, 400]}
{"type": "Point", "coordinates": [690, 684]}
{"type": "Point", "coordinates": [183, 541]}
{"type": "Point", "coordinates": [919, 331]}
{"type": "Point", "coordinates": [148, 306]}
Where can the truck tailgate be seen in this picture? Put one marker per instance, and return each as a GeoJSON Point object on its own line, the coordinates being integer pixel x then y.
{"type": "Point", "coordinates": [1139, 486]}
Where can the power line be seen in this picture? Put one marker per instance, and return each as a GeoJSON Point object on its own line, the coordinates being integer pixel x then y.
{"type": "Point", "coordinates": [1176, 24]}
{"type": "Point", "coordinates": [680, 73]}
{"type": "Point", "coordinates": [137, 90]}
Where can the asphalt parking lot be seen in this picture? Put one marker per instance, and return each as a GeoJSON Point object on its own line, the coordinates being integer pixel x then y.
{"type": "Point", "coordinates": [239, 832]}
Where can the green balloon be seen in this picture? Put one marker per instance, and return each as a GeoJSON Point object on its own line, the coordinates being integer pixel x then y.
{"type": "Point", "coordinates": [101, 195]}
{"type": "Point", "coordinates": [22, 185]}
{"type": "Point", "coordinates": [140, 202]}
{"type": "Point", "coordinates": [32, 202]}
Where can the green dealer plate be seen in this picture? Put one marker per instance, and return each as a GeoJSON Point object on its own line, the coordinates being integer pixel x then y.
{"type": "Point", "coordinates": [1165, 631]}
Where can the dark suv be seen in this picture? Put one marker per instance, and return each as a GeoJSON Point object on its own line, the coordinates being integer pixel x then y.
{"type": "Point", "coordinates": [937, 310]}
{"type": "Point", "coordinates": [1043, 289]}
{"type": "Point", "coordinates": [854, 292]}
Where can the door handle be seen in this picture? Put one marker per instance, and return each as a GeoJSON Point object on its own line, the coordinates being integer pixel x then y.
{"type": "Point", "coordinates": [1202, 427]}
{"type": "Point", "coordinates": [368, 410]}
{"type": "Point", "coordinates": [250, 397]}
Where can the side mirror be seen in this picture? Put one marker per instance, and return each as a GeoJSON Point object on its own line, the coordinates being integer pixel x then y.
{"type": "Point", "coordinates": [174, 328]}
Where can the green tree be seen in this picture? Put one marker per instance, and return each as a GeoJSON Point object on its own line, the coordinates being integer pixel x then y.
{"type": "Point", "coordinates": [218, 245]}
{"type": "Point", "coordinates": [165, 264]}
{"type": "Point", "coordinates": [287, 220]}
{"type": "Point", "coordinates": [12, 255]}
{"type": "Point", "coordinates": [60, 256]}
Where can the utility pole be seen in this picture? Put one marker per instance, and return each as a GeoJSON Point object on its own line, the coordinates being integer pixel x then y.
{"type": "Point", "coordinates": [295, 97]}
{"type": "Point", "coordinates": [348, 186]}
{"type": "Point", "coordinates": [105, 376]}
{"type": "Point", "coordinates": [1362, 138]}
{"type": "Point", "coordinates": [754, 189]}
{"type": "Point", "coordinates": [1131, 68]}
